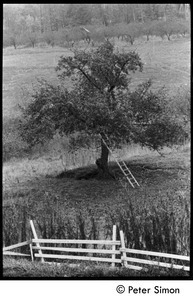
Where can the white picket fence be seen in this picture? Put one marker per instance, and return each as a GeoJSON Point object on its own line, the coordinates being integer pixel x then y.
{"type": "Point", "coordinates": [115, 252]}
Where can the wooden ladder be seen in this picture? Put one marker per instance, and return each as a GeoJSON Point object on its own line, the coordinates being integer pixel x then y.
{"type": "Point", "coordinates": [122, 165]}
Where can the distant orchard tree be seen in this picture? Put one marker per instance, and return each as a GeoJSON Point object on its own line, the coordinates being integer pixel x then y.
{"type": "Point", "coordinates": [13, 41]}
{"type": "Point", "coordinates": [148, 29]}
{"type": "Point", "coordinates": [128, 32]}
{"type": "Point", "coordinates": [32, 39]}
{"type": "Point", "coordinates": [134, 31]}
{"type": "Point", "coordinates": [49, 38]}
{"type": "Point", "coordinates": [167, 28]}
{"type": "Point", "coordinates": [100, 102]}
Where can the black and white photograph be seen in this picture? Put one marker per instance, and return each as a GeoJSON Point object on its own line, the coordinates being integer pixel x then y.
{"type": "Point", "coordinates": [96, 143]}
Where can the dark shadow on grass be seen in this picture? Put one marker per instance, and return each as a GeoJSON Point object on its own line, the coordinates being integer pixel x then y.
{"type": "Point", "coordinates": [86, 173]}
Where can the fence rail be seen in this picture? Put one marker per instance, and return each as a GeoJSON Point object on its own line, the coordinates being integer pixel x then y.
{"type": "Point", "coordinates": [156, 263]}
{"type": "Point", "coordinates": [152, 253]}
{"type": "Point", "coordinates": [15, 253]}
{"type": "Point", "coordinates": [173, 257]}
{"type": "Point", "coordinates": [69, 257]}
{"type": "Point", "coordinates": [16, 245]}
{"type": "Point", "coordinates": [37, 250]}
{"type": "Point", "coordinates": [56, 241]}
{"type": "Point", "coordinates": [78, 250]}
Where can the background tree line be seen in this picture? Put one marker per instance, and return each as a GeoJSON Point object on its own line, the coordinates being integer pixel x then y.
{"type": "Point", "coordinates": [63, 23]}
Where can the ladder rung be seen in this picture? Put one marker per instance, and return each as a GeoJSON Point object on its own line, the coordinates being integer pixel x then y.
{"type": "Point", "coordinates": [131, 181]}
{"type": "Point", "coordinates": [122, 164]}
{"type": "Point", "coordinates": [125, 168]}
{"type": "Point", "coordinates": [126, 171]}
{"type": "Point", "coordinates": [136, 183]}
{"type": "Point", "coordinates": [128, 179]}
{"type": "Point", "coordinates": [129, 175]}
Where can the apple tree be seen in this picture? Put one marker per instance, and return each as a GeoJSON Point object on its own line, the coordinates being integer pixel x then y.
{"type": "Point", "coordinates": [99, 101]}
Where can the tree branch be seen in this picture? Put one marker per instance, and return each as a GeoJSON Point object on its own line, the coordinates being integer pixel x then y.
{"type": "Point", "coordinates": [122, 68]}
{"type": "Point", "coordinates": [87, 77]}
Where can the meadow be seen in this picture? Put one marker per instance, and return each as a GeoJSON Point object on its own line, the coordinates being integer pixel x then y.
{"type": "Point", "coordinates": [155, 216]}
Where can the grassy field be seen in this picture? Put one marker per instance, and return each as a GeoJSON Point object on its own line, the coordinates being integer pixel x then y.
{"type": "Point", "coordinates": [24, 268]}
{"type": "Point", "coordinates": [155, 216]}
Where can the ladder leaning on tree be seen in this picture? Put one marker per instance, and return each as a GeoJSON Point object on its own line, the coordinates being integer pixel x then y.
{"type": "Point", "coordinates": [122, 165]}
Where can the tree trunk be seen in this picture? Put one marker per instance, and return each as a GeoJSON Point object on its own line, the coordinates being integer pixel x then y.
{"type": "Point", "coordinates": [168, 36]}
{"type": "Point", "coordinates": [102, 165]}
{"type": "Point", "coordinates": [102, 162]}
{"type": "Point", "coordinates": [131, 41]}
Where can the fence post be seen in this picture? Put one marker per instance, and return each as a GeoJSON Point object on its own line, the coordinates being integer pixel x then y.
{"type": "Point", "coordinates": [123, 248]}
{"type": "Point", "coordinates": [114, 246]}
{"type": "Point", "coordinates": [36, 237]}
{"type": "Point", "coordinates": [31, 251]}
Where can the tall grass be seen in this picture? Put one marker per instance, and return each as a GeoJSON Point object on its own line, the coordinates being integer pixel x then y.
{"type": "Point", "coordinates": [161, 225]}
{"type": "Point", "coordinates": [24, 268]}
{"type": "Point", "coordinates": [153, 221]}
